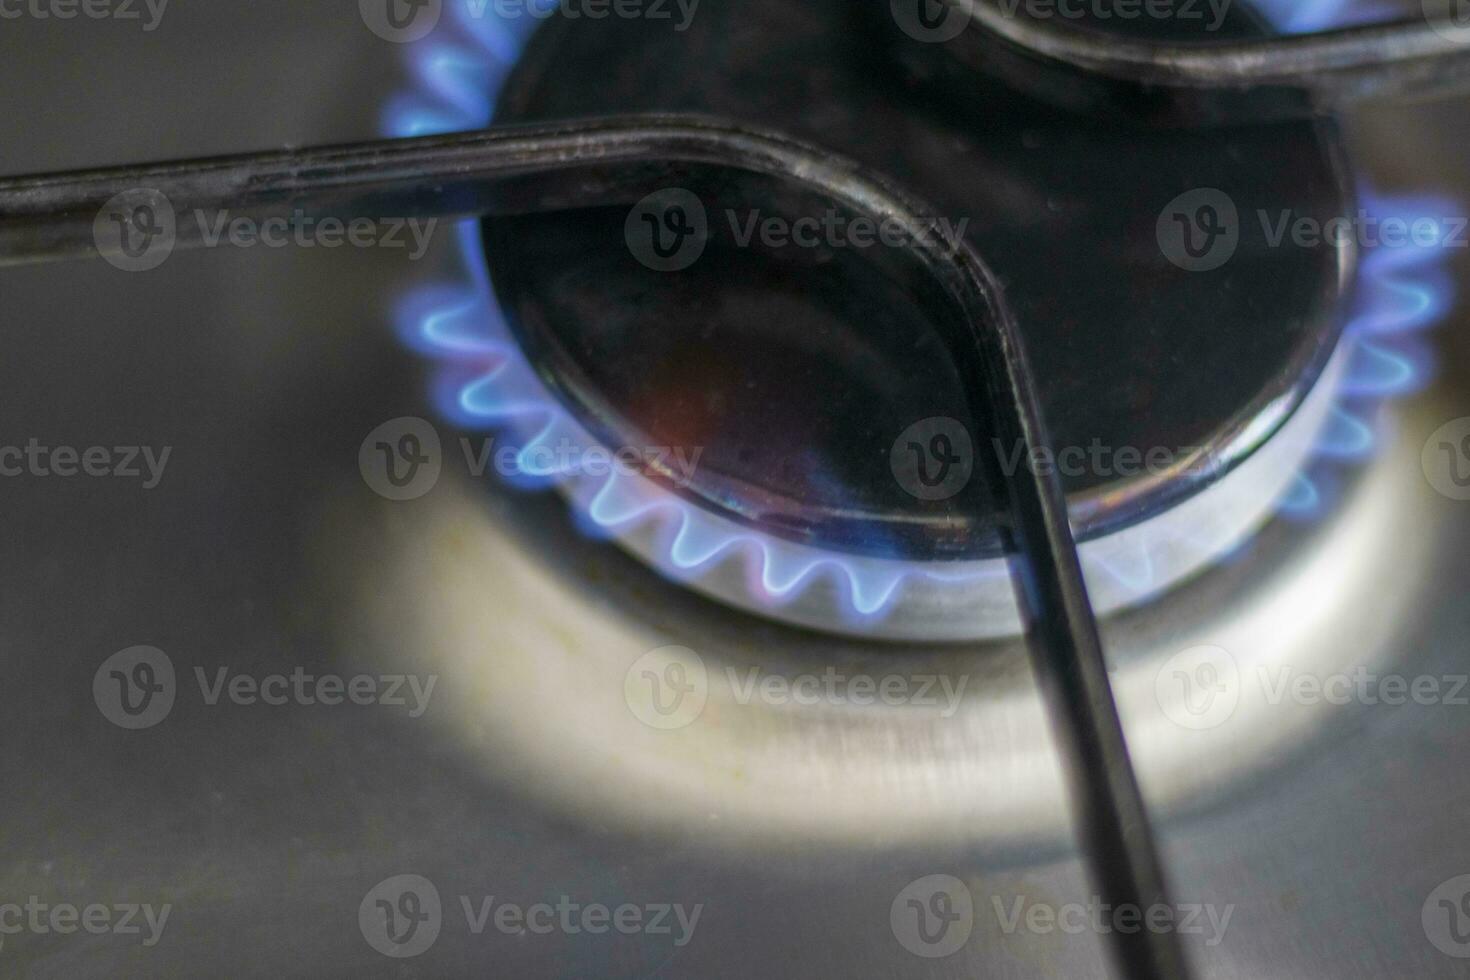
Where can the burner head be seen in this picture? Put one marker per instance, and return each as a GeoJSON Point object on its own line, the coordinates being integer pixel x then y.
{"type": "Point", "coordinates": [819, 396]}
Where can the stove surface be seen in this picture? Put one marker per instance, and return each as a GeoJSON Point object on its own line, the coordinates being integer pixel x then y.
{"type": "Point", "coordinates": [1325, 830]}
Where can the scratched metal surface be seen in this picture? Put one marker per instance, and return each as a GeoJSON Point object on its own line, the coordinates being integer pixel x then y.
{"type": "Point", "coordinates": [262, 550]}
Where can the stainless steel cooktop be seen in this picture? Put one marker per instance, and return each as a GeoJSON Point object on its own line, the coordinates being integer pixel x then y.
{"type": "Point", "coordinates": [453, 687]}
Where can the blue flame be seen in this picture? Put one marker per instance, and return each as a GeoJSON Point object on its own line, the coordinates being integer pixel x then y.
{"type": "Point", "coordinates": [484, 382]}
{"type": "Point", "coordinates": [1308, 16]}
{"type": "Point", "coordinates": [460, 69]}
{"type": "Point", "coordinates": [1403, 289]}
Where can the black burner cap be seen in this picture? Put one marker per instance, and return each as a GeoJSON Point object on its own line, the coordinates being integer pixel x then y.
{"type": "Point", "coordinates": [797, 369]}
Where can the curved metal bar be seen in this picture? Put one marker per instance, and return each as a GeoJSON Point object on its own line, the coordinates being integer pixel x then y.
{"type": "Point", "coordinates": [606, 161]}
{"type": "Point", "coordinates": [1222, 80]}
{"type": "Point", "coordinates": [1299, 58]}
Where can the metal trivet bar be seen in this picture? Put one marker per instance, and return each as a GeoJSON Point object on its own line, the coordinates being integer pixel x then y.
{"type": "Point", "coordinates": [617, 161]}
{"type": "Point", "coordinates": [1201, 80]}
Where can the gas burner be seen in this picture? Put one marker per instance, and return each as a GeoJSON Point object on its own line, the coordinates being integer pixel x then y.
{"type": "Point", "coordinates": [1131, 252]}
{"type": "Point", "coordinates": [1183, 398]}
